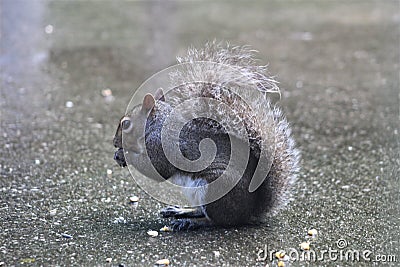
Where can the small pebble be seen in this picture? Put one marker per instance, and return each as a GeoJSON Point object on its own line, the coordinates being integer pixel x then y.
{"type": "Point", "coordinates": [312, 232]}
{"type": "Point", "coordinates": [109, 260]}
{"type": "Point", "coordinates": [216, 253]}
{"type": "Point", "coordinates": [49, 29]}
{"type": "Point", "coordinates": [109, 173]}
{"type": "Point", "coordinates": [280, 254]}
{"type": "Point", "coordinates": [66, 235]}
{"type": "Point", "coordinates": [134, 199]}
{"type": "Point", "coordinates": [165, 229]}
{"type": "Point", "coordinates": [305, 246]}
{"type": "Point", "coordinates": [106, 200]}
{"type": "Point", "coordinates": [69, 104]}
{"type": "Point", "coordinates": [106, 92]}
{"type": "Point", "coordinates": [28, 260]}
{"type": "Point", "coordinates": [37, 162]}
{"type": "Point", "coordinates": [285, 258]}
{"type": "Point", "coordinates": [163, 262]}
{"type": "Point", "coordinates": [119, 220]}
{"type": "Point", "coordinates": [53, 212]}
{"type": "Point", "coordinates": [152, 233]}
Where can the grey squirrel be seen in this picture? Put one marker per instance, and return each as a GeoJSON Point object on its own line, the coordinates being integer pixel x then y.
{"type": "Point", "coordinates": [239, 206]}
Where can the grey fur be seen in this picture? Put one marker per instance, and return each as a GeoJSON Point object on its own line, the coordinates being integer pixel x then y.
{"type": "Point", "coordinates": [265, 132]}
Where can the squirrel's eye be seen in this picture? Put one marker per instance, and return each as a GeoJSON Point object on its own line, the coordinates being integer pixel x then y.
{"type": "Point", "coordinates": [126, 123]}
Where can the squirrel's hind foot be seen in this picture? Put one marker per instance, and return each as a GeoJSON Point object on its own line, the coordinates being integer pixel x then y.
{"type": "Point", "coordinates": [185, 218]}
{"type": "Point", "coordinates": [189, 224]}
{"type": "Point", "coordinates": [181, 213]}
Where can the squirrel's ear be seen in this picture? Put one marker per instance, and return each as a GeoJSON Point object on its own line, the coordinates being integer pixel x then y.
{"type": "Point", "coordinates": [159, 95]}
{"type": "Point", "coordinates": [148, 103]}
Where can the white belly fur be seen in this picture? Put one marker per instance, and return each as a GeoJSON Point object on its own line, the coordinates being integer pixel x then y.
{"type": "Point", "coordinates": [192, 188]}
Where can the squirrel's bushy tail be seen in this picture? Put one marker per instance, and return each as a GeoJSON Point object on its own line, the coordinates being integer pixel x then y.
{"type": "Point", "coordinates": [239, 58]}
{"type": "Point", "coordinates": [267, 128]}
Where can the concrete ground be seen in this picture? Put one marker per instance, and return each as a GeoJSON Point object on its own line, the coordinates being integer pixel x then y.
{"type": "Point", "coordinates": [338, 67]}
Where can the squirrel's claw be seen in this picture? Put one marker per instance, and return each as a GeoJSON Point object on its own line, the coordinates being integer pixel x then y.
{"type": "Point", "coordinates": [185, 218]}
{"type": "Point", "coordinates": [178, 212]}
{"type": "Point", "coordinates": [184, 225]}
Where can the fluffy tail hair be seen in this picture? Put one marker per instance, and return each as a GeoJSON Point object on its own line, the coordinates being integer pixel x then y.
{"type": "Point", "coordinates": [240, 58]}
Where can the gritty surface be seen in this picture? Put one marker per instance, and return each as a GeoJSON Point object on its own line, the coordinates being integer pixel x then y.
{"type": "Point", "coordinates": [64, 201]}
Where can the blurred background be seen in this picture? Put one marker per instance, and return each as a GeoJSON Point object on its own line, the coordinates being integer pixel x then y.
{"type": "Point", "coordinates": [69, 69]}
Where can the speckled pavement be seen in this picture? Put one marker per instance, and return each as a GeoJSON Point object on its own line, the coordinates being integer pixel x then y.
{"type": "Point", "coordinates": [65, 202]}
